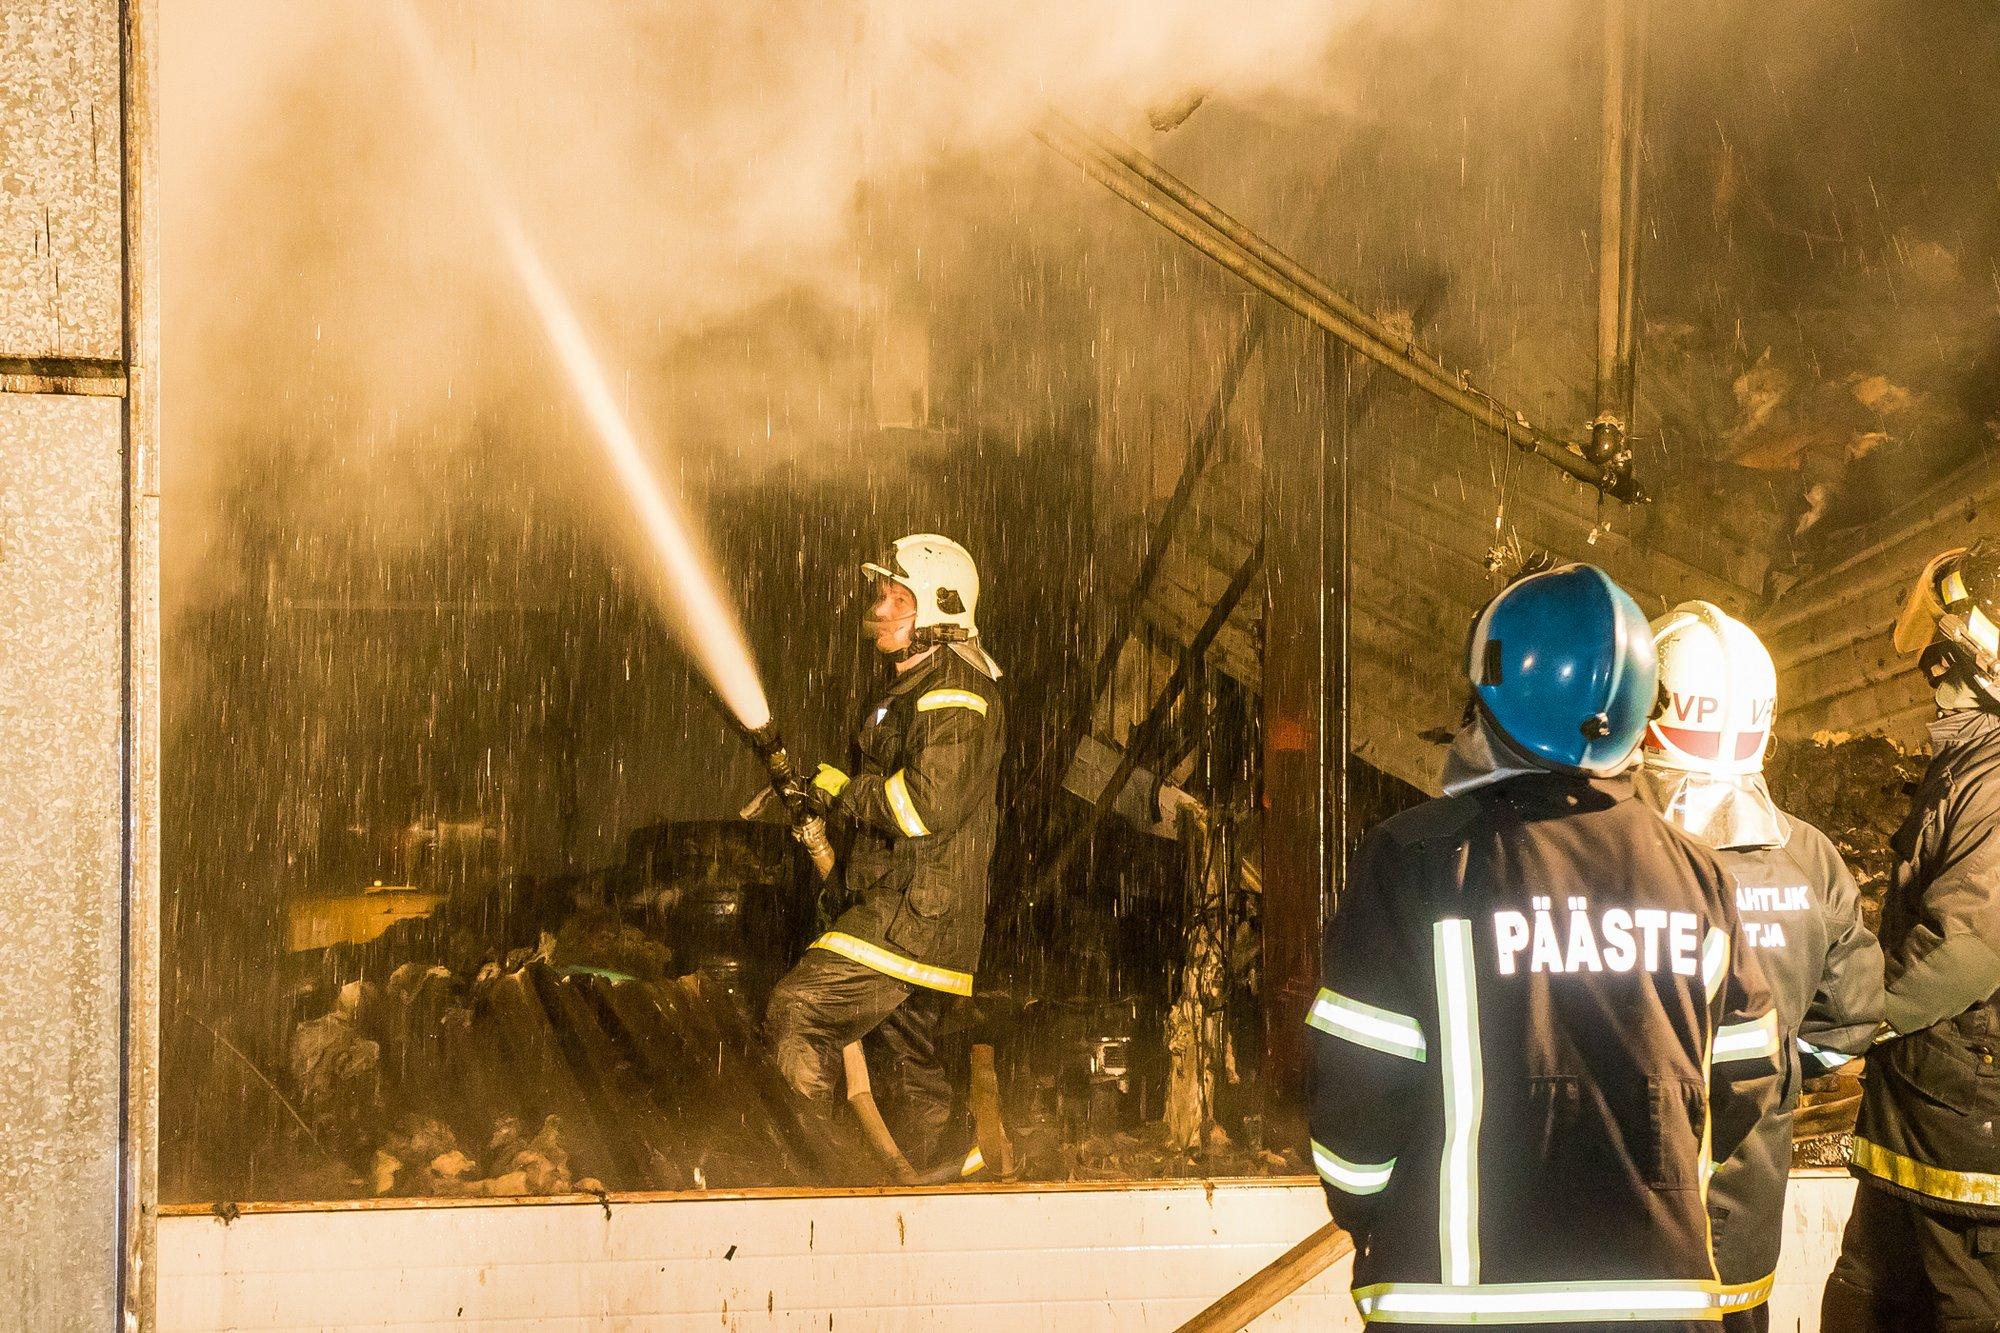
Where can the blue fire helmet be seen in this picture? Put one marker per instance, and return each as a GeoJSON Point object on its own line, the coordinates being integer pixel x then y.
{"type": "Point", "coordinates": [1562, 664]}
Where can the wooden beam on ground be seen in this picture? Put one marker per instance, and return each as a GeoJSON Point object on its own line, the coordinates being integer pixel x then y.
{"type": "Point", "coordinates": [1272, 1283]}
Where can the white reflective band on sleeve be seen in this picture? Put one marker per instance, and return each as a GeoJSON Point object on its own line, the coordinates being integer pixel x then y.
{"type": "Point", "coordinates": [1714, 961]}
{"type": "Point", "coordinates": [1464, 1095]}
{"type": "Point", "coordinates": [891, 964]}
{"type": "Point", "coordinates": [1365, 1025]}
{"type": "Point", "coordinates": [937, 699]}
{"type": "Point", "coordinates": [1754, 1040]}
{"type": "Point", "coordinates": [1547, 1302]}
{"type": "Point", "coordinates": [1831, 1059]}
{"type": "Point", "coordinates": [897, 789]}
{"type": "Point", "coordinates": [1351, 1177]}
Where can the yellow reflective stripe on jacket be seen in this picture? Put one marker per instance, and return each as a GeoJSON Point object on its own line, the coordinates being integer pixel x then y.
{"type": "Point", "coordinates": [937, 699]}
{"type": "Point", "coordinates": [892, 964]}
{"type": "Point", "coordinates": [1363, 1024]}
{"type": "Point", "coordinates": [1734, 1296]}
{"type": "Point", "coordinates": [897, 789]}
{"type": "Point", "coordinates": [1351, 1177]}
{"type": "Point", "coordinates": [1754, 1040]}
{"type": "Point", "coordinates": [1543, 1302]}
{"type": "Point", "coordinates": [1980, 1187]}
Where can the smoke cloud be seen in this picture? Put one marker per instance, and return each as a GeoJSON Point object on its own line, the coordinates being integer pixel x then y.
{"type": "Point", "coordinates": [699, 177]}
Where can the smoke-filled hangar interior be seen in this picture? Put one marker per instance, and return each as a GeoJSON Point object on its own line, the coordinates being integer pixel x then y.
{"type": "Point", "coordinates": [442, 441]}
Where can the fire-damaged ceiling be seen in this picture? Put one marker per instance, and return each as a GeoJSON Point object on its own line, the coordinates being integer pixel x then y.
{"type": "Point", "coordinates": [1810, 403]}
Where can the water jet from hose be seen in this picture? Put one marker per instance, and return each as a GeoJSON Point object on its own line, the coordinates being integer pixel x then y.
{"type": "Point", "coordinates": [681, 576]}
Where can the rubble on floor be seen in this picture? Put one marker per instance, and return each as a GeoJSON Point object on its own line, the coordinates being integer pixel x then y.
{"type": "Point", "coordinates": [1856, 790]}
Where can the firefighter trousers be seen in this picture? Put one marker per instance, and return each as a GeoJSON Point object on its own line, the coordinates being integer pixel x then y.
{"type": "Point", "coordinates": [1905, 1268]}
{"type": "Point", "coordinates": [827, 1001]}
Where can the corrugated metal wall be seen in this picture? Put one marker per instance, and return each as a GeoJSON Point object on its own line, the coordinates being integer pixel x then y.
{"type": "Point", "coordinates": [1830, 633]}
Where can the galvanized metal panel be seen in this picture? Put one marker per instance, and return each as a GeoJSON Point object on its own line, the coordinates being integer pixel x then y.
{"type": "Point", "coordinates": [60, 152]}
{"type": "Point", "coordinates": [62, 635]}
{"type": "Point", "coordinates": [965, 1261]}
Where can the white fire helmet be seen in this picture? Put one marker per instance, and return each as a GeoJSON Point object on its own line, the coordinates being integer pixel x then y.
{"type": "Point", "coordinates": [940, 574]}
{"type": "Point", "coordinates": [1718, 692]}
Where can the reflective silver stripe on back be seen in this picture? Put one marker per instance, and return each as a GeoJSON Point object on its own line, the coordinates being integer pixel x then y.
{"type": "Point", "coordinates": [1464, 1096]}
{"type": "Point", "coordinates": [1382, 1030]}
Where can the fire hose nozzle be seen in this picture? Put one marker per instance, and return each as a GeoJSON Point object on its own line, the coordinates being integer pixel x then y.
{"type": "Point", "coordinates": [808, 825]}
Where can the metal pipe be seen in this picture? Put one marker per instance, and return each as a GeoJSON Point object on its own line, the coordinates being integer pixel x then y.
{"type": "Point", "coordinates": [1188, 214]}
{"type": "Point", "coordinates": [1178, 190]}
{"type": "Point", "coordinates": [1617, 229]}
{"type": "Point", "coordinates": [1628, 260]}
{"type": "Point", "coordinates": [1607, 431]}
{"type": "Point", "coordinates": [139, 180]}
{"type": "Point", "coordinates": [1112, 168]}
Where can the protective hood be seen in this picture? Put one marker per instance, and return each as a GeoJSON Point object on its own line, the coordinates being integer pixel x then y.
{"type": "Point", "coordinates": [1480, 756]}
{"type": "Point", "coordinates": [976, 656]}
{"type": "Point", "coordinates": [1733, 813]}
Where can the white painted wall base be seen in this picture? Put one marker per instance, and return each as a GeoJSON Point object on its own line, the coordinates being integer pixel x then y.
{"type": "Point", "coordinates": [1015, 1260]}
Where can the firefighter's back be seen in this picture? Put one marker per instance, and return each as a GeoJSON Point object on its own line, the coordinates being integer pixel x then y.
{"type": "Point", "coordinates": [1557, 960]}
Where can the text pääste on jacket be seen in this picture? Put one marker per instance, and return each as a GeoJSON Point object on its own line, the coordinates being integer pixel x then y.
{"type": "Point", "coordinates": [1526, 989]}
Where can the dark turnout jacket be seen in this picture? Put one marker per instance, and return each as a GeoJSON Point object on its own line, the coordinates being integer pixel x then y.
{"type": "Point", "coordinates": [1931, 1096]}
{"type": "Point", "coordinates": [1526, 989]}
{"type": "Point", "coordinates": [925, 814]}
{"type": "Point", "coordinates": [1801, 915]}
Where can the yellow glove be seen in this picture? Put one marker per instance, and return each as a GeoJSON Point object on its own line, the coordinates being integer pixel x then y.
{"type": "Point", "coordinates": [831, 781]}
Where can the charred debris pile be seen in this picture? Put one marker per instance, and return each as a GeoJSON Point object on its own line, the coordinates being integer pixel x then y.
{"type": "Point", "coordinates": [598, 1032]}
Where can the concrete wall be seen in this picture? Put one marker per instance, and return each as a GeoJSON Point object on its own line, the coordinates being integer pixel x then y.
{"type": "Point", "coordinates": [966, 1261]}
{"type": "Point", "coordinates": [77, 527]}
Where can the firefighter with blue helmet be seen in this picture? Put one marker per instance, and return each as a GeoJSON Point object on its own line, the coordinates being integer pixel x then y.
{"type": "Point", "coordinates": [1527, 986]}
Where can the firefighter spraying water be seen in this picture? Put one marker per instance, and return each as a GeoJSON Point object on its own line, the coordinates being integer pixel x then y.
{"type": "Point", "coordinates": [904, 944]}
{"type": "Point", "coordinates": [921, 804]}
